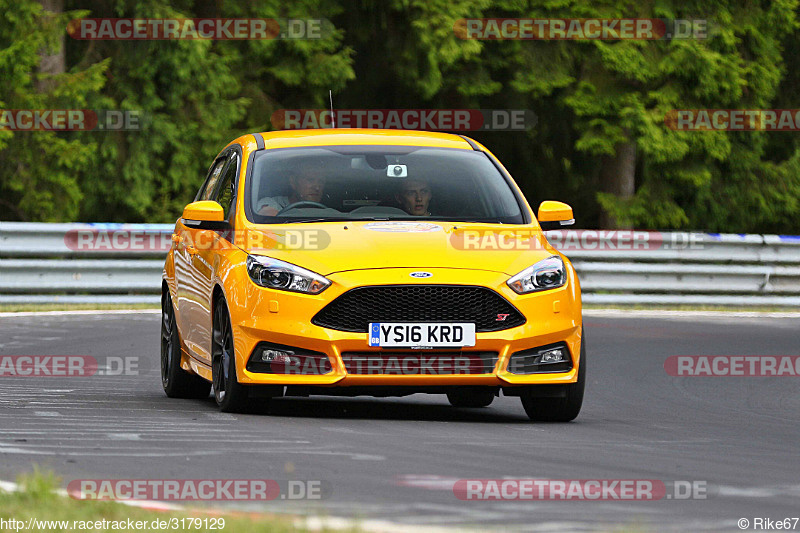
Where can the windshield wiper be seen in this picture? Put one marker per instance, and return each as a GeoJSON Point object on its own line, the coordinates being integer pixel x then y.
{"type": "Point", "coordinates": [304, 220]}
{"type": "Point", "coordinates": [342, 219]}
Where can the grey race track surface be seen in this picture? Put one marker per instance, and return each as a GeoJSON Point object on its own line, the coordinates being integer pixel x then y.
{"type": "Point", "coordinates": [397, 459]}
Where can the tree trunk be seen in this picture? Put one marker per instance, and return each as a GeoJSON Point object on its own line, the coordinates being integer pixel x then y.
{"type": "Point", "coordinates": [617, 178]}
{"type": "Point", "coordinates": [52, 62]}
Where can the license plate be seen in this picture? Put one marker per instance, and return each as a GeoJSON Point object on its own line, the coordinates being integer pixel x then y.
{"type": "Point", "coordinates": [416, 334]}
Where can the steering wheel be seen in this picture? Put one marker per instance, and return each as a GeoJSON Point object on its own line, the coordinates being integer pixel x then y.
{"type": "Point", "coordinates": [301, 204]}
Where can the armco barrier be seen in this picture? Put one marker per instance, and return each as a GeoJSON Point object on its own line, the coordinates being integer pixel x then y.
{"type": "Point", "coordinates": [122, 263]}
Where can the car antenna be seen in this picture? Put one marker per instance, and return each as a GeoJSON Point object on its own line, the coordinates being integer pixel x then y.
{"type": "Point", "coordinates": [333, 120]}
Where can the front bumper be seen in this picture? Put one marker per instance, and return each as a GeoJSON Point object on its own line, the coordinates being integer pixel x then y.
{"type": "Point", "coordinates": [264, 315]}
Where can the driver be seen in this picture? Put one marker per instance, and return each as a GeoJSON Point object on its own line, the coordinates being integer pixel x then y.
{"type": "Point", "coordinates": [305, 185]}
{"type": "Point", "coordinates": [415, 196]}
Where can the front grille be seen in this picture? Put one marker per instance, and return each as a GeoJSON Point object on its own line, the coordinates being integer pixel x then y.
{"type": "Point", "coordinates": [419, 362]}
{"type": "Point", "coordinates": [355, 309]}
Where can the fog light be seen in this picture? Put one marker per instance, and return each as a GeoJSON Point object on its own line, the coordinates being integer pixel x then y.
{"type": "Point", "coordinates": [541, 360]}
{"type": "Point", "coordinates": [270, 355]}
{"type": "Point", "coordinates": [552, 356]}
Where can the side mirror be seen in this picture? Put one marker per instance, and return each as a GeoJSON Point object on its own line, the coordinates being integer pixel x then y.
{"type": "Point", "coordinates": [205, 214]}
{"type": "Point", "coordinates": [554, 215]}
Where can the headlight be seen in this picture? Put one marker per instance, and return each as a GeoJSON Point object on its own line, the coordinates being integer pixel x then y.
{"type": "Point", "coordinates": [546, 274]}
{"type": "Point", "coordinates": [275, 274]}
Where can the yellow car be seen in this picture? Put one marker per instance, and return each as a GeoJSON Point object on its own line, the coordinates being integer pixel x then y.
{"type": "Point", "coordinates": [370, 262]}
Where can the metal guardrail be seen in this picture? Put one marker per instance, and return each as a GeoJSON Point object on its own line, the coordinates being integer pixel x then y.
{"type": "Point", "coordinates": [34, 239]}
{"type": "Point", "coordinates": [122, 263]}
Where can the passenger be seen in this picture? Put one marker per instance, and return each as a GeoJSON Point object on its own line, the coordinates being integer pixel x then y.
{"type": "Point", "coordinates": [415, 196]}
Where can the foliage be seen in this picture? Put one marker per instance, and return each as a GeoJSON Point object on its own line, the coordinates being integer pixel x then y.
{"type": "Point", "coordinates": [591, 97]}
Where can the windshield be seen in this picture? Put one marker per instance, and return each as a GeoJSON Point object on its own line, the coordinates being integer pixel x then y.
{"type": "Point", "coordinates": [378, 183]}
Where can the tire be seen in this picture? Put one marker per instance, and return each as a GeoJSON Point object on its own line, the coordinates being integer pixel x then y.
{"type": "Point", "coordinates": [558, 409]}
{"type": "Point", "coordinates": [231, 396]}
{"type": "Point", "coordinates": [177, 382]}
{"type": "Point", "coordinates": [470, 397]}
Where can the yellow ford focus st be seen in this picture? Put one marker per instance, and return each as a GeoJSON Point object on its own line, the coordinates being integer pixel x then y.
{"type": "Point", "coordinates": [370, 262]}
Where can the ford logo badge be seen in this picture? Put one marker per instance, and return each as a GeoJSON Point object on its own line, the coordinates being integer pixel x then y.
{"type": "Point", "coordinates": [420, 274]}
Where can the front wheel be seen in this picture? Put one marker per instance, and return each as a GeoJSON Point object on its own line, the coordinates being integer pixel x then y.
{"type": "Point", "coordinates": [563, 409]}
{"type": "Point", "coordinates": [231, 396]}
{"type": "Point", "coordinates": [177, 382]}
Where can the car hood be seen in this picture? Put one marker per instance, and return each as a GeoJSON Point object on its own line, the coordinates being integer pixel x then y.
{"type": "Point", "coordinates": [330, 247]}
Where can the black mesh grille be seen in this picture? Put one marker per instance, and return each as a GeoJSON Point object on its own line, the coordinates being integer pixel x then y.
{"type": "Point", "coordinates": [355, 309]}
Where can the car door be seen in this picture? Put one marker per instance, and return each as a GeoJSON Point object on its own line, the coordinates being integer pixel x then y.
{"type": "Point", "coordinates": [206, 261]}
{"type": "Point", "coordinates": [188, 284]}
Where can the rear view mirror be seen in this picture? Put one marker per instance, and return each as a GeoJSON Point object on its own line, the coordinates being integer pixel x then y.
{"type": "Point", "coordinates": [205, 214]}
{"type": "Point", "coordinates": [554, 215]}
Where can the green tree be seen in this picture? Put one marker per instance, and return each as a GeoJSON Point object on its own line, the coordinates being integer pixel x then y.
{"type": "Point", "coordinates": [40, 171]}
{"type": "Point", "coordinates": [621, 91]}
{"type": "Point", "coordinates": [196, 95]}
{"type": "Point", "coordinates": [600, 142]}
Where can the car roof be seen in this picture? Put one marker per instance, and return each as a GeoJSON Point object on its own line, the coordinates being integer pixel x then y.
{"type": "Point", "coordinates": [353, 136]}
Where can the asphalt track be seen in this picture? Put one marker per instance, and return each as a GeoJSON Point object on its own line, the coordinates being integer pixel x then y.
{"type": "Point", "coordinates": [396, 460]}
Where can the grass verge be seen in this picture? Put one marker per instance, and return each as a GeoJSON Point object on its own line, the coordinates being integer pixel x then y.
{"type": "Point", "coordinates": [38, 499]}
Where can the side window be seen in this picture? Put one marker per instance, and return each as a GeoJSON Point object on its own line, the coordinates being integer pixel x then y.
{"type": "Point", "coordinates": [211, 181]}
{"type": "Point", "coordinates": [226, 191]}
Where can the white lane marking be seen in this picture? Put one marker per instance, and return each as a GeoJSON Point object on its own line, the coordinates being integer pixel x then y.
{"type": "Point", "coordinates": [40, 442]}
{"type": "Point", "coordinates": [351, 455]}
{"type": "Point", "coordinates": [130, 451]}
{"type": "Point", "coordinates": [351, 431]}
{"type": "Point", "coordinates": [6, 449]}
{"type": "Point", "coordinates": [123, 453]}
{"type": "Point", "coordinates": [220, 416]}
{"type": "Point", "coordinates": [124, 436]}
{"type": "Point", "coordinates": [426, 481]}
{"type": "Point", "coordinates": [46, 413]}
{"type": "Point", "coordinates": [759, 492]}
